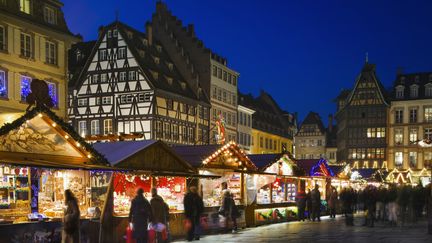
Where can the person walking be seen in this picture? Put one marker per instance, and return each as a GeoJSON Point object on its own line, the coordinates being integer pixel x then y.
{"type": "Point", "coordinates": [370, 198]}
{"type": "Point", "coordinates": [347, 198]}
{"type": "Point", "coordinates": [309, 204]}
{"type": "Point", "coordinates": [392, 205]}
{"type": "Point", "coordinates": [71, 219]}
{"type": "Point", "coordinates": [229, 210]}
{"type": "Point", "coordinates": [160, 212]}
{"type": "Point", "coordinates": [194, 206]}
{"type": "Point", "coordinates": [301, 204]}
{"type": "Point", "coordinates": [139, 216]}
{"type": "Point", "coordinates": [332, 202]}
{"type": "Point", "coordinates": [316, 203]}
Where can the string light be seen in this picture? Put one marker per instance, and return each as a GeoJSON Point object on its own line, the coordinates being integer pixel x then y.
{"type": "Point", "coordinates": [66, 136]}
{"type": "Point", "coordinates": [54, 124]}
{"type": "Point", "coordinates": [78, 144]}
{"type": "Point", "coordinates": [40, 115]}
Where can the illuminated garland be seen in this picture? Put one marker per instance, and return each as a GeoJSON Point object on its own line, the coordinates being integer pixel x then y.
{"type": "Point", "coordinates": [96, 158]}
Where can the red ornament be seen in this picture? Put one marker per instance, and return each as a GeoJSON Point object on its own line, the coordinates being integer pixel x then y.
{"type": "Point", "coordinates": [24, 171]}
{"type": "Point", "coordinates": [17, 171]}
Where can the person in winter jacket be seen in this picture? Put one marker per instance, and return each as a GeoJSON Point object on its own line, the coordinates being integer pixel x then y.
{"type": "Point", "coordinates": [71, 228]}
{"type": "Point", "coordinates": [301, 204]}
{"type": "Point", "coordinates": [229, 210]}
{"type": "Point", "coordinates": [332, 202]}
{"type": "Point", "coordinates": [194, 206]}
{"type": "Point", "coordinates": [347, 197]}
{"type": "Point", "coordinates": [139, 215]}
{"type": "Point", "coordinates": [160, 212]}
{"type": "Point", "coordinates": [309, 204]}
{"type": "Point", "coordinates": [316, 204]}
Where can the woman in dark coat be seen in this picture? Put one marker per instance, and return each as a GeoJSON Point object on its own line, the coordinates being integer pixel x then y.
{"type": "Point", "coordinates": [194, 206]}
{"type": "Point", "coordinates": [71, 232]}
{"type": "Point", "coordinates": [229, 210]}
{"type": "Point", "coordinates": [139, 215]}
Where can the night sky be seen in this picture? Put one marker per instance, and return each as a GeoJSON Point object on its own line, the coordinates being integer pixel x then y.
{"type": "Point", "coordinates": [301, 52]}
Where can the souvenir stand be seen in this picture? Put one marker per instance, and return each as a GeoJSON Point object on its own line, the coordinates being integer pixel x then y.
{"type": "Point", "coordinates": [143, 164]}
{"type": "Point", "coordinates": [232, 165]}
{"type": "Point", "coordinates": [40, 157]}
{"type": "Point", "coordinates": [276, 195]}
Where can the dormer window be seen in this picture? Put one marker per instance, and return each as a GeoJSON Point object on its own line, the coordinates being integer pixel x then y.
{"type": "Point", "coordinates": [170, 66]}
{"type": "Point", "coordinates": [156, 60]}
{"type": "Point", "coordinates": [183, 85]}
{"type": "Point", "coordinates": [414, 90]}
{"type": "Point", "coordinates": [114, 33]}
{"type": "Point", "coordinates": [428, 90]}
{"type": "Point", "coordinates": [169, 80]}
{"type": "Point", "coordinates": [400, 92]}
{"type": "Point", "coordinates": [78, 55]}
{"type": "Point", "coordinates": [50, 15]}
{"type": "Point", "coordinates": [25, 6]}
{"type": "Point", "coordinates": [109, 33]}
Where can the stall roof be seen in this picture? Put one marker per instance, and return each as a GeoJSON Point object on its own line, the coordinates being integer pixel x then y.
{"type": "Point", "coordinates": [211, 156]}
{"type": "Point", "coordinates": [41, 138]}
{"type": "Point", "coordinates": [153, 156]}
{"type": "Point", "coordinates": [264, 160]}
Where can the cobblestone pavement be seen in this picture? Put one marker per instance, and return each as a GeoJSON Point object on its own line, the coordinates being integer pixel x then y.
{"type": "Point", "coordinates": [328, 230]}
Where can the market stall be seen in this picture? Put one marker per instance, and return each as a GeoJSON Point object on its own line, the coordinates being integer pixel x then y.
{"type": "Point", "coordinates": [40, 157]}
{"type": "Point", "coordinates": [276, 195]}
{"type": "Point", "coordinates": [144, 164]}
{"type": "Point", "coordinates": [232, 165]}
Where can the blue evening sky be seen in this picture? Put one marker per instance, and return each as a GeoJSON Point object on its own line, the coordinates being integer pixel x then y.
{"type": "Point", "coordinates": [301, 52]}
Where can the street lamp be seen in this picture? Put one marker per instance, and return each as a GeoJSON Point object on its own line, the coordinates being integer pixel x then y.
{"type": "Point", "coordinates": [426, 143]}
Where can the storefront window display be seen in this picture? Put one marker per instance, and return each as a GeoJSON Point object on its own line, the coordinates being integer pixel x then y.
{"type": "Point", "coordinates": [99, 181]}
{"type": "Point", "coordinates": [172, 190]}
{"type": "Point", "coordinates": [125, 187]}
{"type": "Point", "coordinates": [212, 189]}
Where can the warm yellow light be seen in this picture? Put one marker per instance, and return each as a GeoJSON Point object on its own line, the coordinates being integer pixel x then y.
{"type": "Point", "coordinates": [89, 156]}
{"type": "Point", "coordinates": [78, 144]}
{"type": "Point", "coordinates": [40, 115]}
{"type": "Point", "coordinates": [54, 124]}
{"type": "Point", "coordinates": [66, 136]}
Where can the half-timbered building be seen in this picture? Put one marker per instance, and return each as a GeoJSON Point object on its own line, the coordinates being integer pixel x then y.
{"type": "Point", "coordinates": [125, 83]}
{"type": "Point", "coordinates": [362, 122]}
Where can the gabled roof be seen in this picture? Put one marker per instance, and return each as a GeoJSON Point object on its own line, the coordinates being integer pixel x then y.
{"type": "Point", "coordinates": [167, 79]}
{"type": "Point", "coordinates": [313, 118]}
{"type": "Point", "coordinates": [147, 155]}
{"type": "Point", "coordinates": [264, 161]}
{"type": "Point", "coordinates": [41, 138]}
{"type": "Point", "coordinates": [75, 65]}
{"type": "Point", "coordinates": [368, 73]}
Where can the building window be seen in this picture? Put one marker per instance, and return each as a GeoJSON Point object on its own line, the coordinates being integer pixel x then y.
{"type": "Point", "coordinates": [94, 127]}
{"type": "Point", "coordinates": [219, 97]}
{"type": "Point", "coordinates": [399, 116]}
{"type": "Point", "coordinates": [219, 73]}
{"type": "Point", "coordinates": [398, 136]}
{"type": "Point", "coordinates": [3, 39]}
{"type": "Point", "coordinates": [414, 91]}
{"type": "Point", "coordinates": [50, 15]}
{"type": "Point", "coordinates": [229, 78]}
{"type": "Point", "coordinates": [26, 45]}
{"type": "Point", "coordinates": [114, 33]}
{"type": "Point", "coordinates": [224, 96]}
{"type": "Point", "coordinates": [398, 159]}
{"type": "Point", "coordinates": [413, 135]}
{"type": "Point", "coordinates": [83, 102]}
{"type": "Point", "coordinates": [103, 55]}
{"type": "Point", "coordinates": [214, 71]}
{"type": "Point", "coordinates": [214, 93]}
{"type": "Point", "coordinates": [428, 133]}
{"type": "Point", "coordinates": [225, 76]}
{"type": "Point", "coordinates": [319, 142]}
{"type": "Point", "coordinates": [132, 75]}
{"type": "Point", "coordinates": [82, 128]}
{"type": "Point", "coordinates": [25, 87]}
{"type": "Point", "coordinates": [261, 142]}
{"type": "Point", "coordinates": [25, 6]}
{"type": "Point", "coordinates": [52, 91]}
{"type": "Point", "coordinates": [399, 92]}
{"type": "Point", "coordinates": [121, 53]}
{"type": "Point", "coordinates": [413, 159]}
{"type": "Point", "coordinates": [50, 52]}
{"type": "Point", "coordinates": [234, 80]}
{"type": "Point", "coordinates": [106, 100]}
{"type": "Point", "coordinates": [380, 132]}
{"type": "Point", "coordinates": [108, 129]}
{"type": "Point", "coordinates": [104, 78]}
{"type": "Point", "coordinates": [427, 162]}
{"type": "Point", "coordinates": [413, 115]}
{"type": "Point", "coordinates": [332, 155]}
{"type": "Point", "coordinates": [428, 89]}
{"type": "Point", "coordinates": [428, 114]}
{"type": "Point", "coordinates": [122, 76]}
{"type": "Point", "coordinates": [170, 104]}
{"type": "Point", "coordinates": [3, 84]}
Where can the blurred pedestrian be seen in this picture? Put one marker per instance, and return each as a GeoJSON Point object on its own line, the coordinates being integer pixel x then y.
{"type": "Point", "coordinates": [332, 202]}
{"type": "Point", "coordinates": [160, 212]}
{"type": "Point", "coordinates": [392, 205]}
{"type": "Point", "coordinates": [347, 198]}
{"type": "Point", "coordinates": [301, 204]}
{"type": "Point", "coordinates": [194, 206]}
{"type": "Point", "coordinates": [71, 219]}
{"type": "Point", "coordinates": [380, 204]}
{"type": "Point", "coordinates": [229, 210]}
{"type": "Point", "coordinates": [370, 199]}
{"type": "Point", "coordinates": [140, 215]}
{"type": "Point", "coordinates": [316, 203]}
{"type": "Point", "coordinates": [403, 201]}
{"type": "Point", "coordinates": [309, 204]}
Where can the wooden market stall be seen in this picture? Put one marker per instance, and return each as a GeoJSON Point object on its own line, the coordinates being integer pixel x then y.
{"type": "Point", "coordinates": [144, 164]}
{"type": "Point", "coordinates": [40, 157]}
{"type": "Point", "coordinates": [276, 195]}
{"type": "Point", "coordinates": [232, 165]}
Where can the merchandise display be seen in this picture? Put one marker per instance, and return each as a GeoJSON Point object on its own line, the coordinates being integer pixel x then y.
{"type": "Point", "coordinates": [99, 181]}
{"type": "Point", "coordinates": [125, 188]}
{"type": "Point", "coordinates": [212, 189]}
{"type": "Point", "coordinates": [172, 190]}
{"type": "Point", "coordinates": [263, 195]}
{"type": "Point", "coordinates": [275, 214]}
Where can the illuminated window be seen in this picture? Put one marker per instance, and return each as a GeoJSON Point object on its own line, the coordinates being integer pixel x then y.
{"type": "Point", "coordinates": [94, 127]}
{"type": "Point", "coordinates": [52, 90]}
{"type": "Point", "coordinates": [413, 135]}
{"type": "Point", "coordinates": [413, 159]}
{"type": "Point", "coordinates": [3, 84]}
{"type": "Point", "coordinates": [398, 159]}
{"type": "Point", "coordinates": [380, 132]}
{"type": "Point", "coordinates": [82, 128]}
{"type": "Point", "coordinates": [26, 45]}
{"type": "Point", "coordinates": [50, 52]}
{"type": "Point", "coordinates": [108, 129]}
{"type": "Point", "coordinates": [398, 136]}
{"type": "Point", "coordinates": [25, 87]}
{"type": "Point", "coordinates": [428, 114]}
{"type": "Point", "coordinates": [50, 15]}
{"type": "Point", "coordinates": [25, 6]}
{"type": "Point", "coordinates": [428, 133]}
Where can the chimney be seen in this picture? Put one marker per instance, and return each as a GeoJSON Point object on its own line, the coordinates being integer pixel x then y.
{"type": "Point", "coordinates": [330, 122]}
{"type": "Point", "coordinates": [149, 31]}
{"type": "Point", "coordinates": [191, 30]}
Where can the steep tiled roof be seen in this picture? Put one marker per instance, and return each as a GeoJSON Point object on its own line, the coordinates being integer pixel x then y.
{"type": "Point", "coordinates": [313, 118]}
{"type": "Point", "coordinates": [77, 62]}
{"type": "Point", "coordinates": [407, 80]}
{"type": "Point", "coordinates": [116, 152]}
{"type": "Point", "coordinates": [262, 160]}
{"type": "Point", "coordinates": [195, 155]}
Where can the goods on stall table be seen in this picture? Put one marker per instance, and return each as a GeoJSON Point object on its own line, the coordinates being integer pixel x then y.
{"type": "Point", "coordinates": [212, 189]}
